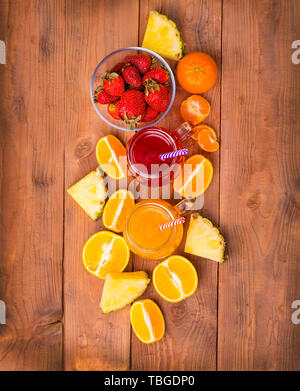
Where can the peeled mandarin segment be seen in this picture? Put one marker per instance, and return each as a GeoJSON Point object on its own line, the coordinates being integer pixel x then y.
{"type": "Point", "coordinates": [195, 177]}
{"type": "Point", "coordinates": [196, 132]}
{"type": "Point", "coordinates": [175, 279]}
{"type": "Point", "coordinates": [105, 252]}
{"type": "Point", "coordinates": [195, 109]}
{"type": "Point", "coordinates": [207, 141]}
{"type": "Point", "coordinates": [111, 156]}
{"type": "Point", "coordinates": [147, 321]}
{"type": "Point", "coordinates": [116, 209]}
{"type": "Point", "coordinates": [197, 129]}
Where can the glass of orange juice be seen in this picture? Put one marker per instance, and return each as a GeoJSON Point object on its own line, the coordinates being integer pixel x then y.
{"type": "Point", "coordinates": [142, 230]}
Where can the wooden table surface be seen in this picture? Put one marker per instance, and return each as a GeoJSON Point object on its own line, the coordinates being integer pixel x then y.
{"type": "Point", "coordinates": [240, 316]}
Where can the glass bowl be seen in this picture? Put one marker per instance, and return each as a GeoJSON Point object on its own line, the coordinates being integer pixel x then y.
{"type": "Point", "coordinates": [107, 64]}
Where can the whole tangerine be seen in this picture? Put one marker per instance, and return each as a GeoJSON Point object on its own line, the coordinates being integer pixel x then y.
{"type": "Point", "coordinates": [197, 72]}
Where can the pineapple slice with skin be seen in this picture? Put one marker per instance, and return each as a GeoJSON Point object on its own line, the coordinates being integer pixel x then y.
{"type": "Point", "coordinates": [204, 239]}
{"type": "Point", "coordinates": [163, 37]}
{"type": "Point", "coordinates": [90, 193]}
{"type": "Point", "coordinates": [120, 289]}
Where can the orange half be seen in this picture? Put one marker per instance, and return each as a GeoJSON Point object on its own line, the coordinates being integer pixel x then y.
{"type": "Point", "coordinates": [147, 321]}
{"type": "Point", "coordinates": [116, 209]}
{"type": "Point", "coordinates": [195, 177]}
{"type": "Point", "coordinates": [105, 252]}
{"type": "Point", "coordinates": [111, 156]}
{"type": "Point", "coordinates": [175, 279]}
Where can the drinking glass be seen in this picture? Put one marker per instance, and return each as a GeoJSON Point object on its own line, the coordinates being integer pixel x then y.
{"type": "Point", "coordinates": [142, 229]}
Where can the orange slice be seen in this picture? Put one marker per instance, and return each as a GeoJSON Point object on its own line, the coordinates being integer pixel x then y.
{"type": "Point", "coordinates": [175, 279]}
{"type": "Point", "coordinates": [105, 252]}
{"type": "Point", "coordinates": [195, 177]}
{"type": "Point", "coordinates": [116, 209]}
{"type": "Point", "coordinates": [147, 321]}
{"type": "Point", "coordinates": [195, 109]}
{"type": "Point", "coordinates": [111, 156]}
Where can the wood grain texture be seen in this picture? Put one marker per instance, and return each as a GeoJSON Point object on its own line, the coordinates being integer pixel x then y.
{"type": "Point", "coordinates": [48, 133]}
{"type": "Point", "coordinates": [191, 325]}
{"type": "Point", "coordinates": [32, 128]}
{"type": "Point", "coordinates": [93, 341]}
{"type": "Point", "coordinates": [259, 208]}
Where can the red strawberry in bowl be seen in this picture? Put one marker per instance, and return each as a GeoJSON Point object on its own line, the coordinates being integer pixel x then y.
{"type": "Point", "coordinates": [113, 110]}
{"type": "Point", "coordinates": [159, 74]}
{"type": "Point", "coordinates": [156, 95]}
{"type": "Point", "coordinates": [131, 75]}
{"type": "Point", "coordinates": [103, 97]}
{"type": "Point", "coordinates": [113, 83]}
{"type": "Point", "coordinates": [132, 107]}
{"type": "Point", "coordinates": [118, 67]}
{"type": "Point", "coordinates": [141, 61]}
{"type": "Point", "coordinates": [150, 114]}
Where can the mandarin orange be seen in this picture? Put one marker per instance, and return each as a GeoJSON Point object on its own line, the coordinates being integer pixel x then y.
{"type": "Point", "coordinates": [197, 72]}
{"type": "Point", "coordinates": [195, 109]}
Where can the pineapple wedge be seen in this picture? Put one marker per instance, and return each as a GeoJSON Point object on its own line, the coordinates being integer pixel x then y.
{"type": "Point", "coordinates": [163, 37]}
{"type": "Point", "coordinates": [90, 193]}
{"type": "Point", "coordinates": [204, 240]}
{"type": "Point", "coordinates": [121, 289]}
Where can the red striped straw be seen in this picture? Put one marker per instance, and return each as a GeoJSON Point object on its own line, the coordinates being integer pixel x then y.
{"type": "Point", "coordinates": [172, 223]}
{"type": "Point", "coordinates": [179, 152]}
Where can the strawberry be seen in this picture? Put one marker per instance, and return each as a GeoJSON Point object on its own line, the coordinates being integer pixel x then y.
{"type": "Point", "coordinates": [132, 107]}
{"type": "Point", "coordinates": [118, 67]}
{"type": "Point", "coordinates": [103, 97]}
{"type": "Point", "coordinates": [157, 96]}
{"type": "Point", "coordinates": [113, 83]}
{"type": "Point", "coordinates": [150, 114]}
{"type": "Point", "coordinates": [141, 61]}
{"type": "Point", "coordinates": [159, 74]}
{"type": "Point", "coordinates": [140, 88]}
{"type": "Point", "coordinates": [113, 110]}
{"type": "Point", "coordinates": [131, 75]}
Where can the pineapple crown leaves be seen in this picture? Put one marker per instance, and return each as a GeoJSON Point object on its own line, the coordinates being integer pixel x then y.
{"type": "Point", "coordinates": [151, 85]}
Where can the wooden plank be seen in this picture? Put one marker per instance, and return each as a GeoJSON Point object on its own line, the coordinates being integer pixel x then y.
{"type": "Point", "coordinates": [259, 208]}
{"type": "Point", "coordinates": [94, 29]}
{"type": "Point", "coordinates": [191, 325]}
{"type": "Point", "coordinates": [32, 128]}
